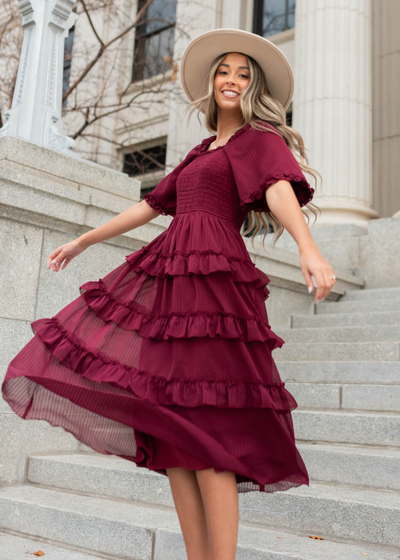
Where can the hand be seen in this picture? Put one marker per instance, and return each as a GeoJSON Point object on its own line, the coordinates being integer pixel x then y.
{"type": "Point", "coordinates": [313, 263]}
{"type": "Point", "coordinates": [63, 255]}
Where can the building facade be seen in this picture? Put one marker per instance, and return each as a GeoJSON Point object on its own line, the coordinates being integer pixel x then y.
{"type": "Point", "coordinates": [345, 57]}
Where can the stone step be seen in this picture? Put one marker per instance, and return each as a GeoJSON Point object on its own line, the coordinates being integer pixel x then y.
{"type": "Point", "coordinates": [114, 527]}
{"type": "Point", "coordinates": [327, 320]}
{"type": "Point", "coordinates": [353, 465]}
{"type": "Point", "coordinates": [382, 373]}
{"type": "Point", "coordinates": [14, 547]}
{"type": "Point", "coordinates": [276, 544]}
{"type": "Point", "coordinates": [334, 426]}
{"type": "Point", "coordinates": [361, 306]}
{"type": "Point", "coordinates": [367, 333]}
{"type": "Point", "coordinates": [346, 396]}
{"type": "Point", "coordinates": [100, 475]}
{"type": "Point", "coordinates": [96, 521]}
{"type": "Point", "coordinates": [337, 511]}
{"type": "Point", "coordinates": [114, 477]}
{"type": "Point", "coordinates": [327, 351]}
{"type": "Point", "coordinates": [371, 293]}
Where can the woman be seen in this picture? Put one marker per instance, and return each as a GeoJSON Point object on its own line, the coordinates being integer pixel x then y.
{"type": "Point", "coordinates": [169, 355]}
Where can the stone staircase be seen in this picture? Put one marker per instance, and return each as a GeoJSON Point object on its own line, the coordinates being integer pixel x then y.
{"type": "Point", "coordinates": [342, 364]}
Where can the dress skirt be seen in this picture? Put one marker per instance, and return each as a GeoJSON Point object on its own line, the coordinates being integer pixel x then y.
{"type": "Point", "coordinates": [189, 389]}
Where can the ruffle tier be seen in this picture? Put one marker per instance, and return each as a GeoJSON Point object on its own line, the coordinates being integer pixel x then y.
{"type": "Point", "coordinates": [178, 263]}
{"type": "Point", "coordinates": [95, 365]}
{"type": "Point", "coordinates": [131, 316]}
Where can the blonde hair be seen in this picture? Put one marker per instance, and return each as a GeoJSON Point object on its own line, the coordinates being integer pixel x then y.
{"type": "Point", "coordinates": [257, 103]}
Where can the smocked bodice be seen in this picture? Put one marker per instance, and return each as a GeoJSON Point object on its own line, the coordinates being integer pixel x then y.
{"type": "Point", "coordinates": [230, 180]}
{"type": "Point", "coordinates": [207, 184]}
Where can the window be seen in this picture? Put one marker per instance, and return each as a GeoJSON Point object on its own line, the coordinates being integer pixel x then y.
{"type": "Point", "coordinates": [143, 165]}
{"type": "Point", "coordinates": [68, 42]}
{"type": "Point", "coordinates": [154, 39]}
{"type": "Point", "coordinates": [273, 16]}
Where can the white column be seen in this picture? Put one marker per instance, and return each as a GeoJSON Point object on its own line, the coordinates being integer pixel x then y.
{"type": "Point", "coordinates": [332, 104]}
{"type": "Point", "coordinates": [36, 108]}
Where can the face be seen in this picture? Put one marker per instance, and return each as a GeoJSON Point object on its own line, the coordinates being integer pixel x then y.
{"type": "Point", "coordinates": [232, 76]}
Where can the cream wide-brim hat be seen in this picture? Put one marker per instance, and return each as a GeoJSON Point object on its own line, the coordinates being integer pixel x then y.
{"type": "Point", "coordinates": [201, 51]}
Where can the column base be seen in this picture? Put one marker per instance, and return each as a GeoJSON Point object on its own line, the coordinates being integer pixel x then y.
{"type": "Point", "coordinates": [338, 210]}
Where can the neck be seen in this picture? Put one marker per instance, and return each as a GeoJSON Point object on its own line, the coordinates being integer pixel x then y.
{"type": "Point", "coordinates": [226, 123]}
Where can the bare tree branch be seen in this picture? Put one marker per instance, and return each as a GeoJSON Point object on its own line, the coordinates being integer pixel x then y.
{"type": "Point", "coordinates": [91, 21]}
{"type": "Point", "coordinates": [104, 100]}
{"type": "Point", "coordinates": [103, 47]}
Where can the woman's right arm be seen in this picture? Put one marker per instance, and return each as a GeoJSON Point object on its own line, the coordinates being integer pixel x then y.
{"type": "Point", "coordinates": [131, 218]}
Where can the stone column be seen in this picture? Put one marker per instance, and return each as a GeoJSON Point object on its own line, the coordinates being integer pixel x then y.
{"type": "Point", "coordinates": [36, 108]}
{"type": "Point", "coordinates": [332, 104]}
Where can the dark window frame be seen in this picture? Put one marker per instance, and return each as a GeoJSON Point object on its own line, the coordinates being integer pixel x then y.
{"type": "Point", "coordinates": [141, 36]}
{"type": "Point", "coordinates": [144, 164]}
{"type": "Point", "coordinates": [68, 49]}
{"type": "Point", "coordinates": [152, 176]}
{"type": "Point", "coordinates": [258, 17]}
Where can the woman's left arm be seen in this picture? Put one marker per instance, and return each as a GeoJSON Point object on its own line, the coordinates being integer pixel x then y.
{"type": "Point", "coordinates": [283, 203]}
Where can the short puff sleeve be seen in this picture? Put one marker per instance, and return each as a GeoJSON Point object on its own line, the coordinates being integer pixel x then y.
{"type": "Point", "coordinates": [258, 160]}
{"type": "Point", "coordinates": [163, 197]}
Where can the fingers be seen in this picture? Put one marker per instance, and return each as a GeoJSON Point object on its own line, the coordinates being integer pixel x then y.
{"type": "Point", "coordinates": [325, 283]}
{"type": "Point", "coordinates": [313, 264]}
{"type": "Point", "coordinates": [52, 257]}
{"type": "Point", "coordinates": [63, 255]}
{"type": "Point", "coordinates": [66, 261]}
{"type": "Point", "coordinates": [56, 263]}
{"type": "Point", "coordinates": [309, 282]}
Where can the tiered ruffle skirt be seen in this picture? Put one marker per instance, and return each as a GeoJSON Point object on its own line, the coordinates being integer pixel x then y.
{"type": "Point", "coordinates": [167, 362]}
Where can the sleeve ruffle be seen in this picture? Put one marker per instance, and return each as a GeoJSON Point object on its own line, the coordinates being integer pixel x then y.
{"type": "Point", "coordinates": [258, 160]}
{"type": "Point", "coordinates": [152, 201]}
{"type": "Point", "coordinates": [163, 197]}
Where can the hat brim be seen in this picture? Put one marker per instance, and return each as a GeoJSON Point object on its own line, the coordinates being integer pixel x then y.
{"type": "Point", "coordinates": [202, 50]}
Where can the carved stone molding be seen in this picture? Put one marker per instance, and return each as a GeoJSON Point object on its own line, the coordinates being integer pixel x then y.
{"type": "Point", "coordinates": [23, 64]}
{"type": "Point", "coordinates": [37, 103]}
{"type": "Point", "coordinates": [56, 140]}
{"type": "Point", "coordinates": [26, 8]}
{"type": "Point", "coordinates": [63, 8]}
{"type": "Point", "coordinates": [51, 85]}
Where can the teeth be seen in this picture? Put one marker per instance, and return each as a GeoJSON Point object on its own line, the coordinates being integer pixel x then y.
{"type": "Point", "coordinates": [230, 93]}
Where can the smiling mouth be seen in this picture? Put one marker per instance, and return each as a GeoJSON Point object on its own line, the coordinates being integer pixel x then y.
{"type": "Point", "coordinates": [230, 94]}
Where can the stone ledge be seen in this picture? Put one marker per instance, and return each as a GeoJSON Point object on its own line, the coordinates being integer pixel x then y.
{"type": "Point", "coordinates": [36, 201]}
{"type": "Point", "coordinates": [283, 269]}
{"type": "Point", "coordinates": [53, 164]}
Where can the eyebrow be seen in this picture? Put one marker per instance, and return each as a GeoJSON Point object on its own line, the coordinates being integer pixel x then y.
{"type": "Point", "coordinates": [224, 64]}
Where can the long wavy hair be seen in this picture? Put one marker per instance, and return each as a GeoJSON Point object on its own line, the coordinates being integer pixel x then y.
{"type": "Point", "coordinates": [257, 103]}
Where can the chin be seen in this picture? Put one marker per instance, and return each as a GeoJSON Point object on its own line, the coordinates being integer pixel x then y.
{"type": "Point", "coordinates": [227, 105]}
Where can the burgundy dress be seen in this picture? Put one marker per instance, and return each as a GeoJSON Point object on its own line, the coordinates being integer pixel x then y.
{"type": "Point", "coordinates": [166, 361]}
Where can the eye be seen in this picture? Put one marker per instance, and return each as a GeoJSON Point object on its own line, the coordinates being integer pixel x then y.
{"type": "Point", "coordinates": [241, 75]}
